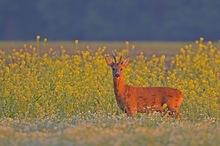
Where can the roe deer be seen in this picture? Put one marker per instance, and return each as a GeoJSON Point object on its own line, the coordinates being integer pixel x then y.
{"type": "Point", "coordinates": [132, 99]}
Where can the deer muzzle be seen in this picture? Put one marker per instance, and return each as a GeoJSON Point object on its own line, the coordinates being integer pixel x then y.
{"type": "Point", "coordinates": [117, 75]}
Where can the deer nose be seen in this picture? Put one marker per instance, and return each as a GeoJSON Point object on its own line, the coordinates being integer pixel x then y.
{"type": "Point", "coordinates": [117, 75]}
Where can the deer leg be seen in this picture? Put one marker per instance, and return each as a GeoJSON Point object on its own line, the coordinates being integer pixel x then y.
{"type": "Point", "coordinates": [131, 110]}
{"type": "Point", "coordinates": [158, 108]}
{"type": "Point", "coordinates": [174, 106]}
{"type": "Point", "coordinates": [174, 111]}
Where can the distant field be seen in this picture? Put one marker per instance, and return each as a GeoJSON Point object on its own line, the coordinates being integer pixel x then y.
{"type": "Point", "coordinates": [149, 48]}
{"type": "Point", "coordinates": [61, 93]}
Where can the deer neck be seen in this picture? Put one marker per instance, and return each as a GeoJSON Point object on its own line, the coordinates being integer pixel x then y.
{"type": "Point", "coordinates": [119, 86]}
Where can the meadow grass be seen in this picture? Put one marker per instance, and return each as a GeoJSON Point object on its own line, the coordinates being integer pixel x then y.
{"type": "Point", "coordinates": [110, 130]}
{"type": "Point", "coordinates": [63, 94]}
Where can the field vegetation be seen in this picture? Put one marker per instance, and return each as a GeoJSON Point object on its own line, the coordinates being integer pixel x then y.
{"type": "Point", "coordinates": [63, 94]}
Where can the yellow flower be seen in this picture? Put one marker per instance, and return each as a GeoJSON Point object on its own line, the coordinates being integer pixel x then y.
{"type": "Point", "coordinates": [194, 71]}
{"type": "Point", "coordinates": [38, 37]}
{"type": "Point", "coordinates": [209, 43]}
{"type": "Point", "coordinates": [51, 49]}
{"type": "Point", "coordinates": [163, 57]}
{"type": "Point", "coordinates": [126, 43]}
{"type": "Point", "coordinates": [2, 52]}
{"type": "Point", "coordinates": [182, 50]}
{"type": "Point", "coordinates": [25, 45]}
{"type": "Point", "coordinates": [76, 42]}
{"type": "Point", "coordinates": [133, 47]}
{"type": "Point", "coordinates": [60, 74]}
{"type": "Point", "coordinates": [164, 106]}
{"type": "Point", "coordinates": [201, 39]}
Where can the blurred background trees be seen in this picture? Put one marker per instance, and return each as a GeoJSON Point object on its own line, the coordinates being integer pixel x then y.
{"type": "Point", "coordinates": [110, 20]}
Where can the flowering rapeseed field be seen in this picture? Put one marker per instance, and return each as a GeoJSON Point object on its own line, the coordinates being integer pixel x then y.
{"type": "Point", "coordinates": [58, 84]}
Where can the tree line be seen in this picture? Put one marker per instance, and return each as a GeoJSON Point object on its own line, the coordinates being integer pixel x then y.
{"type": "Point", "coordinates": [109, 20]}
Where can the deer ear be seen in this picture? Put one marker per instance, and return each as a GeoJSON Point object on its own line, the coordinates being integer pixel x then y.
{"type": "Point", "coordinates": [108, 60]}
{"type": "Point", "coordinates": [126, 61]}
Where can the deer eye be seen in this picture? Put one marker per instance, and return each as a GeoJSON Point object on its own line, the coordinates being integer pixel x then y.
{"type": "Point", "coordinates": [113, 68]}
{"type": "Point", "coordinates": [121, 69]}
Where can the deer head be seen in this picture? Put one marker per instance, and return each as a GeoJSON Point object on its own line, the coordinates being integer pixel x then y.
{"type": "Point", "coordinates": [117, 67]}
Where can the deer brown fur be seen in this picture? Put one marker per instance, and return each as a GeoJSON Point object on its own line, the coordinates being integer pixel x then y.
{"type": "Point", "coordinates": [132, 99]}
